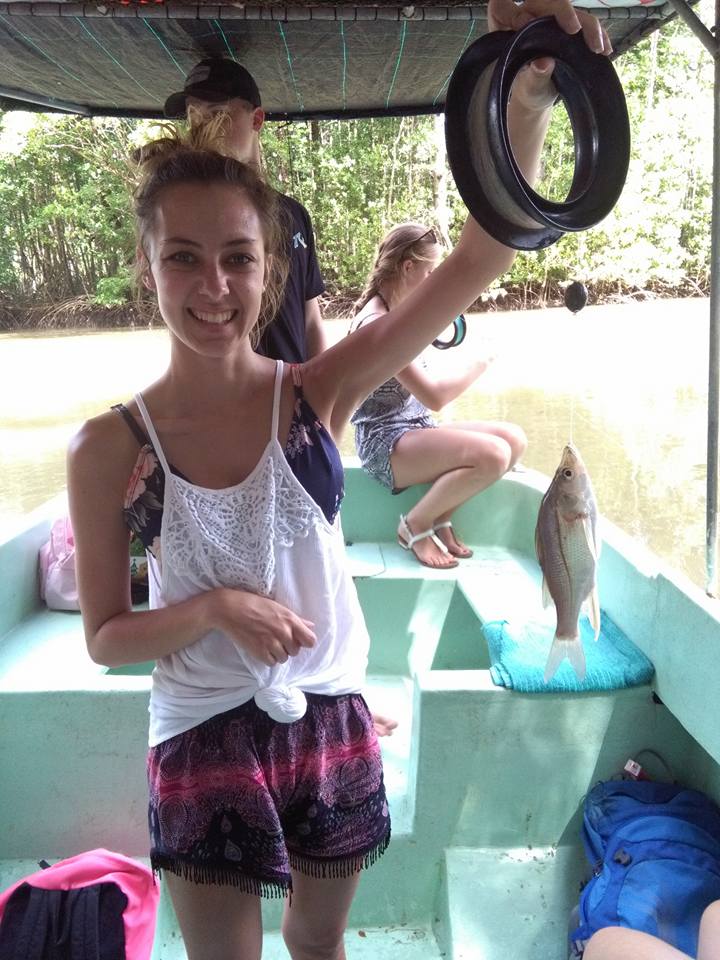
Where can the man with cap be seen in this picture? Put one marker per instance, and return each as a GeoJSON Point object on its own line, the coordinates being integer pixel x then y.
{"type": "Point", "coordinates": [217, 84]}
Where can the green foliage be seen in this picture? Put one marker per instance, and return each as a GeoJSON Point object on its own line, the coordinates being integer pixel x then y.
{"type": "Point", "coordinates": [67, 229]}
{"type": "Point", "coordinates": [66, 223]}
{"type": "Point", "coordinates": [357, 178]}
{"type": "Point", "coordinates": [114, 291]}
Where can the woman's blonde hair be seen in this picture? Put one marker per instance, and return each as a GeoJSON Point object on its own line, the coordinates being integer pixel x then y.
{"type": "Point", "coordinates": [407, 241]}
{"type": "Point", "coordinates": [194, 154]}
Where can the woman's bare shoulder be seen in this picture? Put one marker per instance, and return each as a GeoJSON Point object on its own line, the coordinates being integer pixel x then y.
{"type": "Point", "coordinates": [104, 446]}
{"type": "Point", "coordinates": [371, 311]}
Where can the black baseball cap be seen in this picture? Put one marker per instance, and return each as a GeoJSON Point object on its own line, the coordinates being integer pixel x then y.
{"type": "Point", "coordinates": [214, 80]}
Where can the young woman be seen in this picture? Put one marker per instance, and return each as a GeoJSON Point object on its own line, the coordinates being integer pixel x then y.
{"type": "Point", "coordinates": [395, 435]}
{"type": "Point", "coordinates": [264, 769]}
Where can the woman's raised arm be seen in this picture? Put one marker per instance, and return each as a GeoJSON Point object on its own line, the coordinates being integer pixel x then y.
{"type": "Point", "coordinates": [338, 380]}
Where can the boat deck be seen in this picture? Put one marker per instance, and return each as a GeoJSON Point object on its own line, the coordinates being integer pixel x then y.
{"type": "Point", "coordinates": [485, 784]}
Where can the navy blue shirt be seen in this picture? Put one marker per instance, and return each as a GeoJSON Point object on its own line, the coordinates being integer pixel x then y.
{"type": "Point", "coordinates": [285, 337]}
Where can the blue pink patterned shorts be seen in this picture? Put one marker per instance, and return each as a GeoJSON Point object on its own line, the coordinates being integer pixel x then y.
{"type": "Point", "coordinates": [240, 799]}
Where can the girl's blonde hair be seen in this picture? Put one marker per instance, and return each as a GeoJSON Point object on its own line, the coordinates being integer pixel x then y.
{"type": "Point", "coordinates": [194, 154]}
{"type": "Point", "coordinates": [407, 241]}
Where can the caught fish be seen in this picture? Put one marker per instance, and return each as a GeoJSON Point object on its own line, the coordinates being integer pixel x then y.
{"type": "Point", "coordinates": [567, 547]}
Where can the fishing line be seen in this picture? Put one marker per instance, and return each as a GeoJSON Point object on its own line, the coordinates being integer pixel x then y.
{"type": "Point", "coordinates": [576, 296]}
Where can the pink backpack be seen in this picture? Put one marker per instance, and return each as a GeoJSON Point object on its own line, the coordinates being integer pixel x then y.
{"type": "Point", "coordinates": [134, 879]}
{"type": "Point", "coordinates": [56, 565]}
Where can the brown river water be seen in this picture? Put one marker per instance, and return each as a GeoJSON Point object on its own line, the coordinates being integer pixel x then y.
{"type": "Point", "coordinates": [628, 384]}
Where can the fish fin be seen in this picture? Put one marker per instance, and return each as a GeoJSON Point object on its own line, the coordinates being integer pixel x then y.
{"type": "Point", "coordinates": [572, 649]}
{"type": "Point", "coordinates": [547, 600]}
{"type": "Point", "coordinates": [593, 603]}
{"type": "Point", "coordinates": [593, 547]}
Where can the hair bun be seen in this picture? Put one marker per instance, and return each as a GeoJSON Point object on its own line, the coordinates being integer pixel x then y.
{"type": "Point", "coordinates": [199, 133]}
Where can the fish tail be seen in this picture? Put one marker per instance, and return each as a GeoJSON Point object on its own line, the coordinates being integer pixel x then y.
{"type": "Point", "coordinates": [562, 648]}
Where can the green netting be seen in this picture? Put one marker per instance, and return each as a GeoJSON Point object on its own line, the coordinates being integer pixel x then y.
{"type": "Point", "coordinates": [316, 61]}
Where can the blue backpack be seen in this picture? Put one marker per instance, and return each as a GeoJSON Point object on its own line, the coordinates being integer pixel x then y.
{"type": "Point", "coordinates": [655, 853]}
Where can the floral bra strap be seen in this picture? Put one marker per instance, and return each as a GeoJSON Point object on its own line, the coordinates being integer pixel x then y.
{"type": "Point", "coordinates": [142, 438]}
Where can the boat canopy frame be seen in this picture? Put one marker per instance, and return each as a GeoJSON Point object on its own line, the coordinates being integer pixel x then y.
{"type": "Point", "coordinates": [312, 60]}
{"type": "Point", "coordinates": [711, 41]}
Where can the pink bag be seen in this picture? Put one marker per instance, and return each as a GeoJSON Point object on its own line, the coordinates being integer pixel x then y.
{"type": "Point", "coordinates": [103, 866]}
{"type": "Point", "coordinates": [56, 562]}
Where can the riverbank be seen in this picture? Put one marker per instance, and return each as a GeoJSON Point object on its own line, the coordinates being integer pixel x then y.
{"type": "Point", "coordinates": [80, 313]}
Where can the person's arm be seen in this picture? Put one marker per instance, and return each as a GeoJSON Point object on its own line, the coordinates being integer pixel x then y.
{"type": "Point", "coordinates": [316, 339]}
{"type": "Point", "coordinates": [340, 378]}
{"type": "Point", "coordinates": [436, 394]}
{"type": "Point", "coordinates": [100, 460]}
{"type": "Point", "coordinates": [346, 373]}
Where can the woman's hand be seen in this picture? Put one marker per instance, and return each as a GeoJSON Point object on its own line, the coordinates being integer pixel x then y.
{"type": "Point", "coordinates": [508, 15]}
{"type": "Point", "coordinates": [481, 366]}
{"type": "Point", "coordinates": [265, 629]}
{"type": "Point", "coordinates": [533, 88]}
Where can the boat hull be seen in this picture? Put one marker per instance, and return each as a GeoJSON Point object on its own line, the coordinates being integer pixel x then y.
{"type": "Point", "coordinates": [485, 783]}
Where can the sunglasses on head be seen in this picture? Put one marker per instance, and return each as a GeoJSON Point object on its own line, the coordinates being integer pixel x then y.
{"type": "Point", "coordinates": [430, 234]}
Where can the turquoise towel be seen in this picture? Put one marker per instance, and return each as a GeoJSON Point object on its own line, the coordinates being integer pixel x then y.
{"type": "Point", "coordinates": [518, 653]}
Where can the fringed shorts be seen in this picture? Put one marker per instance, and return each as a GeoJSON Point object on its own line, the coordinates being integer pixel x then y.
{"type": "Point", "coordinates": [240, 799]}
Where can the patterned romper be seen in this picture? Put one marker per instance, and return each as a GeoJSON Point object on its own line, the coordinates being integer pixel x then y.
{"type": "Point", "coordinates": [381, 419]}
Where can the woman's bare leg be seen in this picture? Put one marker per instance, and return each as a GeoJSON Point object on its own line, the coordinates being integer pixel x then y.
{"type": "Point", "coordinates": [515, 438]}
{"type": "Point", "coordinates": [619, 943]}
{"type": "Point", "coordinates": [315, 919]}
{"type": "Point", "coordinates": [458, 463]}
{"type": "Point", "coordinates": [217, 922]}
{"type": "Point", "coordinates": [510, 432]}
{"type": "Point", "coordinates": [709, 942]}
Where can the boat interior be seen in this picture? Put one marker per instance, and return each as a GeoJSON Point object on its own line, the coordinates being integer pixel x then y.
{"type": "Point", "coordinates": [485, 783]}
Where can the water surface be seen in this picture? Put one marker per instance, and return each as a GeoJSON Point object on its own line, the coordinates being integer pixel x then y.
{"type": "Point", "coordinates": [628, 384]}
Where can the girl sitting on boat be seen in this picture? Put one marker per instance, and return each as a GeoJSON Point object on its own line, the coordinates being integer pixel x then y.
{"type": "Point", "coordinates": [264, 769]}
{"type": "Point", "coordinates": [395, 434]}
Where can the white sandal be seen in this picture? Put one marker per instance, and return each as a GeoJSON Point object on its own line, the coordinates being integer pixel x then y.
{"type": "Point", "coordinates": [448, 523]}
{"type": "Point", "coordinates": [407, 540]}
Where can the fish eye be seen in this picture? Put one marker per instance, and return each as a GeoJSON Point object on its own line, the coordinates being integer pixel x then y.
{"type": "Point", "coordinates": [567, 473]}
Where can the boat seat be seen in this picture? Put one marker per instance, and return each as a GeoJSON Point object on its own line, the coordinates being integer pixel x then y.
{"type": "Point", "coordinates": [46, 651]}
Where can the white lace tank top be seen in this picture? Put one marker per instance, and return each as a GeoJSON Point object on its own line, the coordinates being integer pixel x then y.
{"type": "Point", "coordinates": [265, 535]}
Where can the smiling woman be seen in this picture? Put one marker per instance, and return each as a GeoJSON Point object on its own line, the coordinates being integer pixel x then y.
{"type": "Point", "coordinates": [265, 770]}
